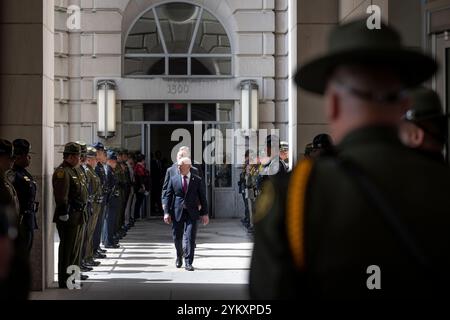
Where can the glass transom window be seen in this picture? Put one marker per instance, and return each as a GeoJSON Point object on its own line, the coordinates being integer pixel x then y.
{"type": "Point", "coordinates": [177, 39]}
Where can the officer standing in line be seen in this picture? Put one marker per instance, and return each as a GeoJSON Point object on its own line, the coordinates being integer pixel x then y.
{"type": "Point", "coordinates": [122, 184]}
{"type": "Point", "coordinates": [110, 241]}
{"type": "Point", "coordinates": [284, 156]}
{"type": "Point", "coordinates": [243, 189]}
{"type": "Point", "coordinates": [70, 200]}
{"type": "Point", "coordinates": [322, 145]}
{"type": "Point", "coordinates": [8, 195]}
{"type": "Point", "coordinates": [251, 183]}
{"type": "Point", "coordinates": [95, 205]}
{"type": "Point", "coordinates": [375, 211]}
{"type": "Point", "coordinates": [101, 171]}
{"type": "Point", "coordinates": [81, 169]}
{"type": "Point", "coordinates": [17, 284]}
{"type": "Point", "coordinates": [128, 184]}
{"type": "Point", "coordinates": [425, 126]}
{"type": "Point", "coordinates": [26, 189]}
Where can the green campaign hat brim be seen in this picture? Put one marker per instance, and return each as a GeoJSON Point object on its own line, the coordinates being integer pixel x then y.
{"type": "Point", "coordinates": [413, 67]}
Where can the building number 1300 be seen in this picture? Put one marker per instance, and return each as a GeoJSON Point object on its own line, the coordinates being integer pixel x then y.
{"type": "Point", "coordinates": [178, 88]}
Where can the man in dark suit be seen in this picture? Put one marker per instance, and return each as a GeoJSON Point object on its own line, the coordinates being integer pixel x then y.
{"type": "Point", "coordinates": [173, 170]}
{"type": "Point", "coordinates": [185, 192]}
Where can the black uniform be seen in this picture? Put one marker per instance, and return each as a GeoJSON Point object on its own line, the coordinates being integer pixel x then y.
{"type": "Point", "coordinates": [26, 192]}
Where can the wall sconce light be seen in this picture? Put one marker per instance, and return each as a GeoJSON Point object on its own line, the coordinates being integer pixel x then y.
{"type": "Point", "coordinates": [249, 105]}
{"type": "Point", "coordinates": [106, 107]}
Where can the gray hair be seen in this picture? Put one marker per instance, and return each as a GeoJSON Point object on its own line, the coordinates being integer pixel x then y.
{"type": "Point", "coordinates": [186, 151]}
{"type": "Point", "coordinates": [184, 160]}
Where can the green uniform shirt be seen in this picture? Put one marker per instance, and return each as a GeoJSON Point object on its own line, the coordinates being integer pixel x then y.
{"type": "Point", "coordinates": [70, 194]}
{"type": "Point", "coordinates": [341, 233]}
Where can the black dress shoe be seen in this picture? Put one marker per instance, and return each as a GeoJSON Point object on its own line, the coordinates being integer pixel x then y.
{"type": "Point", "coordinates": [98, 255]}
{"type": "Point", "coordinates": [101, 250]}
{"type": "Point", "coordinates": [179, 262]}
{"type": "Point", "coordinates": [189, 267]}
{"type": "Point", "coordinates": [113, 246]}
{"type": "Point", "coordinates": [92, 263]}
{"type": "Point", "coordinates": [83, 277]}
{"type": "Point", "coordinates": [85, 268]}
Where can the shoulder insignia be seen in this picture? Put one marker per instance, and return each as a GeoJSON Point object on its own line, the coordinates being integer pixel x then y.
{"type": "Point", "coordinates": [60, 174]}
{"type": "Point", "coordinates": [264, 201]}
{"type": "Point", "coordinates": [295, 211]}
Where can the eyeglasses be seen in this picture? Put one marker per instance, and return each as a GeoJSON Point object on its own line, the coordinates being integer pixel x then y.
{"type": "Point", "coordinates": [381, 98]}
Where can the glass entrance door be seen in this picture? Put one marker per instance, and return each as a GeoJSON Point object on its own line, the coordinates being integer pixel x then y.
{"type": "Point", "coordinates": [156, 124]}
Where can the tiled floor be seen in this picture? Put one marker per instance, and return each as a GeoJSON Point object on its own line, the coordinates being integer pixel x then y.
{"type": "Point", "coordinates": [144, 266]}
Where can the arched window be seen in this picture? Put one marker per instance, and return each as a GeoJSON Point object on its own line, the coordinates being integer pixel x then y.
{"type": "Point", "coordinates": [177, 39]}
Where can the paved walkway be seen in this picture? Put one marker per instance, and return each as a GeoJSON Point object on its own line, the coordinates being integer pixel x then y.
{"type": "Point", "coordinates": [144, 266]}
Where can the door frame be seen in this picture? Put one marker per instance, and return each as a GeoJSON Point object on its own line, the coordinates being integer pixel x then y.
{"type": "Point", "coordinates": [146, 140]}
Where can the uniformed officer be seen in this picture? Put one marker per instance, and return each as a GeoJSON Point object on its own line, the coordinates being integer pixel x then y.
{"type": "Point", "coordinates": [243, 189]}
{"type": "Point", "coordinates": [371, 221]}
{"type": "Point", "coordinates": [81, 242]}
{"type": "Point", "coordinates": [308, 150]}
{"type": "Point", "coordinates": [128, 185]}
{"type": "Point", "coordinates": [111, 242]}
{"type": "Point", "coordinates": [274, 165]}
{"type": "Point", "coordinates": [322, 145]}
{"type": "Point", "coordinates": [425, 126]}
{"type": "Point", "coordinates": [284, 155]}
{"type": "Point", "coordinates": [17, 284]}
{"type": "Point", "coordinates": [26, 188]}
{"type": "Point", "coordinates": [122, 187]}
{"type": "Point", "coordinates": [70, 200]}
{"type": "Point", "coordinates": [8, 195]}
{"type": "Point", "coordinates": [95, 205]}
{"type": "Point", "coordinates": [101, 171]}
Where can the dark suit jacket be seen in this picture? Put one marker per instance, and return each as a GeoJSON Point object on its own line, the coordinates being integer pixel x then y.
{"type": "Point", "coordinates": [173, 171]}
{"type": "Point", "coordinates": [175, 200]}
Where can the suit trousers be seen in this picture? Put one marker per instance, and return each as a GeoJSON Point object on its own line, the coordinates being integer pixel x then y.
{"type": "Point", "coordinates": [185, 228]}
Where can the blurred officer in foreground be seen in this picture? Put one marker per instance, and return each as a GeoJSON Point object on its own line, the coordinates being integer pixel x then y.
{"type": "Point", "coordinates": [70, 200]}
{"type": "Point", "coordinates": [26, 189]}
{"type": "Point", "coordinates": [8, 195]}
{"type": "Point", "coordinates": [372, 221]}
{"type": "Point", "coordinates": [6, 254]}
{"type": "Point", "coordinates": [425, 126]}
{"type": "Point", "coordinates": [15, 281]}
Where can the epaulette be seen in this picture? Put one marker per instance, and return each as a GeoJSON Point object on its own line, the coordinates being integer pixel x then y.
{"type": "Point", "coordinates": [295, 216]}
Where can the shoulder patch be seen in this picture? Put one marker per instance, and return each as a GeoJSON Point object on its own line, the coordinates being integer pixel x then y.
{"type": "Point", "coordinates": [60, 174]}
{"type": "Point", "coordinates": [295, 216]}
{"type": "Point", "coordinates": [265, 201]}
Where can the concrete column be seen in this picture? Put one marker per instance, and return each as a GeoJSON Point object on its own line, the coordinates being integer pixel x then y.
{"type": "Point", "coordinates": [74, 62]}
{"type": "Point", "coordinates": [315, 20]}
{"type": "Point", "coordinates": [26, 84]}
